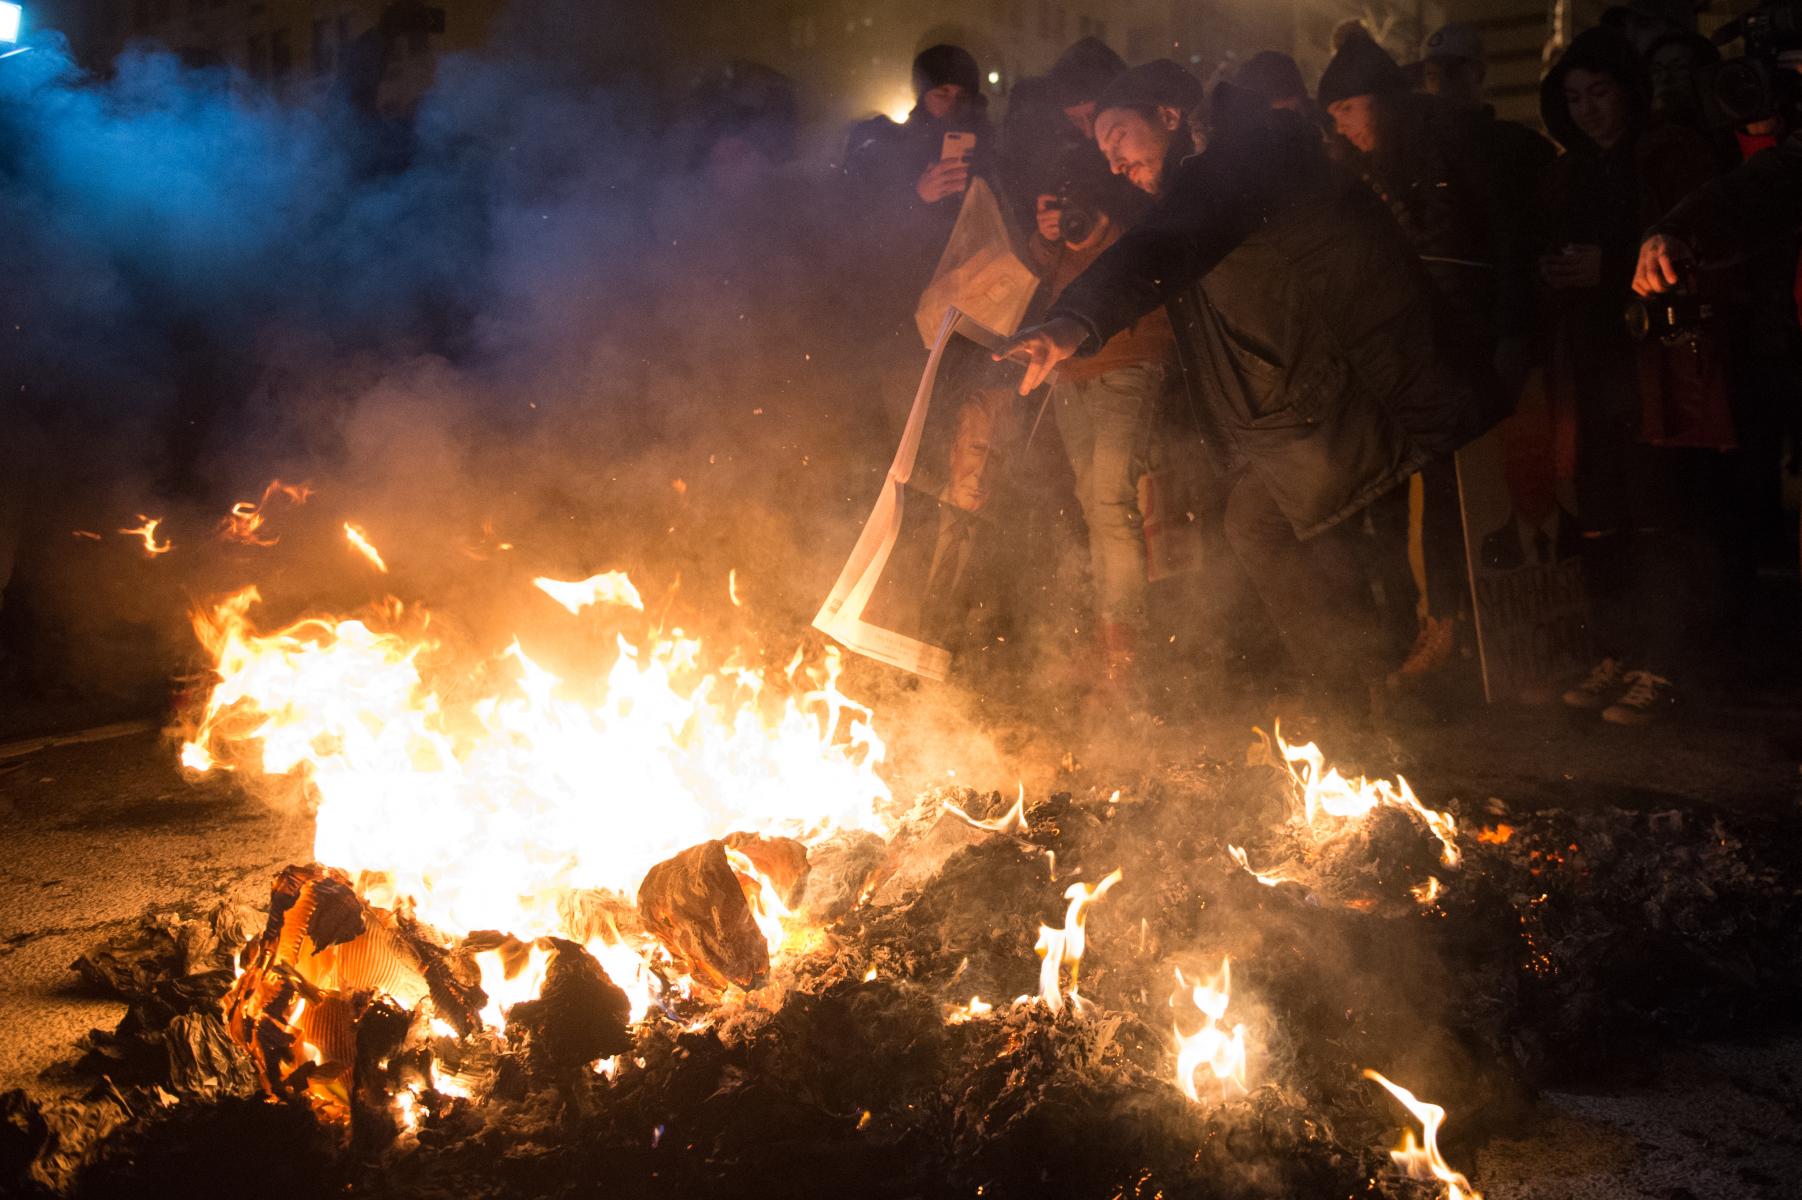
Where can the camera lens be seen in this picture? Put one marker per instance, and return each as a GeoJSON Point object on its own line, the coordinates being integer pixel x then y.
{"type": "Point", "coordinates": [1739, 90]}
{"type": "Point", "coordinates": [1638, 318]}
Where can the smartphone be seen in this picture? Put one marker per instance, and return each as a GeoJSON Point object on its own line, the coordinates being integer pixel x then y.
{"type": "Point", "coordinates": [959, 146]}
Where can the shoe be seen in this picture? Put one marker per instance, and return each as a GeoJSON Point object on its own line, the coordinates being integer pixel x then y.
{"type": "Point", "coordinates": [1647, 698]}
{"type": "Point", "coordinates": [1435, 646]}
{"type": "Point", "coordinates": [1605, 682]}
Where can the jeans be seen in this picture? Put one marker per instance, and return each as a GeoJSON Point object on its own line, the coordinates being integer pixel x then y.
{"type": "Point", "coordinates": [1105, 424]}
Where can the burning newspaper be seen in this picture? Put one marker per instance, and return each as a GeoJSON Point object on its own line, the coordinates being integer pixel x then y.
{"type": "Point", "coordinates": [926, 573]}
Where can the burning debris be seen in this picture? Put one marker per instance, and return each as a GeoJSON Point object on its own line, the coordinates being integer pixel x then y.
{"type": "Point", "coordinates": [741, 956]}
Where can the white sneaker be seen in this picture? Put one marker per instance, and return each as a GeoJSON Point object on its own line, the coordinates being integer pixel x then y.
{"type": "Point", "coordinates": [1648, 697]}
{"type": "Point", "coordinates": [1605, 681]}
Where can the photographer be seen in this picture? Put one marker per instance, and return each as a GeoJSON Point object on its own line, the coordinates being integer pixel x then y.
{"type": "Point", "coordinates": [1107, 405]}
{"type": "Point", "coordinates": [1635, 424]}
{"type": "Point", "coordinates": [1308, 337]}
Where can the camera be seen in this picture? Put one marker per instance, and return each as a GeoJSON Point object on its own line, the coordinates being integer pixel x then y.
{"type": "Point", "coordinates": [1075, 222]}
{"type": "Point", "coordinates": [1754, 87]}
{"type": "Point", "coordinates": [1669, 318]}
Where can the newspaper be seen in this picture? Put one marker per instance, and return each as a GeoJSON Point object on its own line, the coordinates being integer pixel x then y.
{"type": "Point", "coordinates": [927, 572]}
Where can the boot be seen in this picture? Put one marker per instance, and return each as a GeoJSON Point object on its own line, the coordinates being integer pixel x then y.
{"type": "Point", "coordinates": [1119, 655]}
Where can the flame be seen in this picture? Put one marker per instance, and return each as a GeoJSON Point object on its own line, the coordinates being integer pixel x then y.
{"type": "Point", "coordinates": [1428, 892]}
{"type": "Point", "coordinates": [732, 587]}
{"type": "Point", "coordinates": [86, 535]}
{"type": "Point", "coordinates": [609, 587]}
{"type": "Point", "coordinates": [247, 517]}
{"type": "Point", "coordinates": [977, 1007]}
{"type": "Point", "coordinates": [147, 531]}
{"type": "Point", "coordinates": [1423, 1160]}
{"type": "Point", "coordinates": [1059, 946]}
{"type": "Point", "coordinates": [1327, 793]}
{"type": "Point", "coordinates": [1495, 835]}
{"type": "Point", "coordinates": [360, 541]}
{"type": "Point", "coordinates": [1210, 1046]}
{"type": "Point", "coordinates": [486, 790]}
{"type": "Point", "coordinates": [767, 908]}
{"type": "Point", "coordinates": [1011, 821]}
{"type": "Point", "coordinates": [1239, 856]}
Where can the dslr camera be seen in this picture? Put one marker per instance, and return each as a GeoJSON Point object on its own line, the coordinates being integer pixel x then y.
{"type": "Point", "coordinates": [1754, 87]}
{"type": "Point", "coordinates": [1671, 318]}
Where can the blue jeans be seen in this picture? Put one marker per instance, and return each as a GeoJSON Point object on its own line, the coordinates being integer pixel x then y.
{"type": "Point", "coordinates": [1105, 424]}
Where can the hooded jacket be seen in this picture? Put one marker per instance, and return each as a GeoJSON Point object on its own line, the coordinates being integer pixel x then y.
{"type": "Point", "coordinates": [1604, 387]}
{"type": "Point", "coordinates": [1308, 333]}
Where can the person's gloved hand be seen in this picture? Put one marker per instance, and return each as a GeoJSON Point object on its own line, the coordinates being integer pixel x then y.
{"type": "Point", "coordinates": [1664, 263]}
{"type": "Point", "coordinates": [1042, 347]}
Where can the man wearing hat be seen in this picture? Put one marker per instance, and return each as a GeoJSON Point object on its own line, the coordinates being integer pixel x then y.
{"type": "Point", "coordinates": [1452, 64]}
{"type": "Point", "coordinates": [1307, 336]}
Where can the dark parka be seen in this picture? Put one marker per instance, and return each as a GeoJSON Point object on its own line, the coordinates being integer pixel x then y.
{"type": "Point", "coordinates": [1309, 337]}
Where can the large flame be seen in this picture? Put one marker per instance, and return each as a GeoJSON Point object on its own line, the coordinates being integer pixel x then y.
{"type": "Point", "coordinates": [1422, 1160]}
{"type": "Point", "coordinates": [484, 792]}
{"type": "Point", "coordinates": [1058, 947]}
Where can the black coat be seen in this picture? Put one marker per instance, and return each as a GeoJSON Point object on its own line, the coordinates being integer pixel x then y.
{"type": "Point", "coordinates": [1310, 340]}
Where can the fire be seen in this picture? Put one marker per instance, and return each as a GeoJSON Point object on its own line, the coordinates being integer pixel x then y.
{"type": "Point", "coordinates": [1239, 856]}
{"type": "Point", "coordinates": [1428, 892]}
{"type": "Point", "coordinates": [361, 543]}
{"type": "Point", "coordinates": [1495, 835]}
{"type": "Point", "coordinates": [1011, 821]}
{"type": "Point", "coordinates": [246, 519]}
{"type": "Point", "coordinates": [977, 1007]}
{"type": "Point", "coordinates": [732, 588]}
{"type": "Point", "coordinates": [1210, 1046]}
{"type": "Point", "coordinates": [767, 908]}
{"type": "Point", "coordinates": [1422, 1160]}
{"type": "Point", "coordinates": [146, 530]}
{"type": "Point", "coordinates": [485, 790]}
{"type": "Point", "coordinates": [609, 587]}
{"type": "Point", "coordinates": [1059, 946]}
{"type": "Point", "coordinates": [1325, 793]}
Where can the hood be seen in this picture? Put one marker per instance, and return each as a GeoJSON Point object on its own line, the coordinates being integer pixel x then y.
{"type": "Point", "coordinates": [1606, 52]}
{"type": "Point", "coordinates": [1083, 72]}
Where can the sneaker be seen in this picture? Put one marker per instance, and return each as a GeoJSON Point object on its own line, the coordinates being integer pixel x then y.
{"type": "Point", "coordinates": [1604, 683]}
{"type": "Point", "coordinates": [1433, 648]}
{"type": "Point", "coordinates": [1647, 698]}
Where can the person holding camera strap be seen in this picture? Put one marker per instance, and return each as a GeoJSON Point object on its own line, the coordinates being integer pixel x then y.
{"type": "Point", "coordinates": [1107, 405]}
{"type": "Point", "coordinates": [1634, 423]}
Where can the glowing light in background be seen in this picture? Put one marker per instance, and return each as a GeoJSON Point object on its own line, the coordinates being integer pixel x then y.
{"type": "Point", "coordinates": [11, 17]}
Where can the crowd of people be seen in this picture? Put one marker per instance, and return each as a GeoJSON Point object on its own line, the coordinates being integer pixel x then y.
{"type": "Point", "coordinates": [1337, 289]}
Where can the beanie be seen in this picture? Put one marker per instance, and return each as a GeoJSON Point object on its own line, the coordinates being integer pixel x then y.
{"type": "Point", "coordinates": [938, 65]}
{"type": "Point", "coordinates": [1272, 75]}
{"type": "Point", "coordinates": [1361, 68]}
{"type": "Point", "coordinates": [1083, 72]}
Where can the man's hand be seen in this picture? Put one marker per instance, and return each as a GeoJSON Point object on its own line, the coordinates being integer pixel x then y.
{"type": "Point", "coordinates": [1043, 347]}
{"type": "Point", "coordinates": [1664, 263]}
{"type": "Point", "coordinates": [1051, 219]}
{"type": "Point", "coordinates": [947, 177]}
{"type": "Point", "coordinates": [1576, 267]}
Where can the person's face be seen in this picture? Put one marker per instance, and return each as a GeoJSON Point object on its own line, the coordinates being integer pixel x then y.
{"type": "Point", "coordinates": [1083, 117]}
{"type": "Point", "coordinates": [1453, 78]}
{"type": "Point", "coordinates": [945, 100]}
{"type": "Point", "coordinates": [971, 451]}
{"type": "Point", "coordinates": [1598, 106]}
{"type": "Point", "coordinates": [1137, 144]}
{"type": "Point", "coordinates": [1355, 117]}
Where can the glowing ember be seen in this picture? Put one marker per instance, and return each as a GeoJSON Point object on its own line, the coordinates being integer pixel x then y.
{"type": "Point", "coordinates": [486, 790]}
{"type": "Point", "coordinates": [1210, 1046]}
{"type": "Point", "coordinates": [87, 535]}
{"type": "Point", "coordinates": [1325, 793]}
{"type": "Point", "coordinates": [1059, 946]}
{"type": "Point", "coordinates": [361, 543]}
{"type": "Point", "coordinates": [146, 531]}
{"type": "Point", "coordinates": [1423, 1160]}
{"type": "Point", "coordinates": [1495, 835]}
{"type": "Point", "coordinates": [609, 587]}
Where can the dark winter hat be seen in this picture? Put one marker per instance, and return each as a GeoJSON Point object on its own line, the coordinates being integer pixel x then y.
{"type": "Point", "coordinates": [1361, 68]}
{"type": "Point", "coordinates": [1272, 75]}
{"type": "Point", "coordinates": [938, 65]}
{"type": "Point", "coordinates": [1159, 83]}
{"type": "Point", "coordinates": [1083, 72]}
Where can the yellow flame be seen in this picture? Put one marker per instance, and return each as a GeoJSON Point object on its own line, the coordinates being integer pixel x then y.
{"type": "Point", "coordinates": [1059, 946]}
{"type": "Point", "coordinates": [732, 587]}
{"type": "Point", "coordinates": [767, 908]}
{"type": "Point", "coordinates": [1210, 1046]}
{"type": "Point", "coordinates": [977, 1007]}
{"type": "Point", "coordinates": [486, 790]}
{"type": "Point", "coordinates": [1011, 821]}
{"type": "Point", "coordinates": [1325, 793]}
{"type": "Point", "coordinates": [1239, 856]}
{"type": "Point", "coordinates": [609, 587]}
{"type": "Point", "coordinates": [247, 517]}
{"type": "Point", "coordinates": [1422, 1160]}
{"type": "Point", "coordinates": [146, 531]}
{"type": "Point", "coordinates": [1428, 892]}
{"type": "Point", "coordinates": [360, 541]}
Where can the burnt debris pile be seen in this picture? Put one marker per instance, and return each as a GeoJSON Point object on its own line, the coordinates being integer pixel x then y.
{"type": "Point", "coordinates": [1170, 991]}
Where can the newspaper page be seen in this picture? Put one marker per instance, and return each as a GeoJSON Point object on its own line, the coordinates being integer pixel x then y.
{"type": "Point", "coordinates": [1523, 545]}
{"type": "Point", "coordinates": [928, 571]}
{"type": "Point", "coordinates": [981, 272]}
